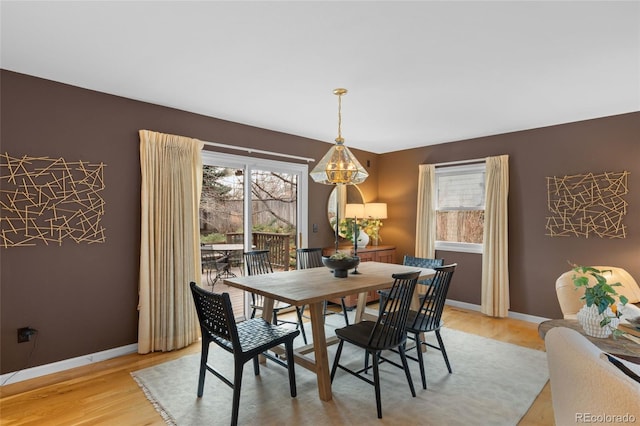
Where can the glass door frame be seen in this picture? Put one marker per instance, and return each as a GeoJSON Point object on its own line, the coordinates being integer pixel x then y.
{"type": "Point", "coordinates": [248, 165]}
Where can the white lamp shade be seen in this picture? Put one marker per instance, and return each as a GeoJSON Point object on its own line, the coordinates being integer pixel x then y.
{"type": "Point", "coordinates": [375, 210]}
{"type": "Point", "coordinates": [354, 210]}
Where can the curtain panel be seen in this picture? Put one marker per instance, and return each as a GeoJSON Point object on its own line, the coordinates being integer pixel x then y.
{"type": "Point", "coordinates": [495, 259]}
{"type": "Point", "coordinates": [171, 168]}
{"type": "Point", "coordinates": [426, 214]}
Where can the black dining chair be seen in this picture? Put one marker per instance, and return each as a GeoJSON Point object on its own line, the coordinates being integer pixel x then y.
{"type": "Point", "coordinates": [420, 262]}
{"type": "Point", "coordinates": [258, 262]}
{"type": "Point", "coordinates": [429, 317]}
{"type": "Point", "coordinates": [245, 340]}
{"type": "Point", "coordinates": [312, 258]}
{"type": "Point", "coordinates": [387, 332]}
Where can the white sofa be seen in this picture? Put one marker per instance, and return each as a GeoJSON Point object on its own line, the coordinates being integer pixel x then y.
{"type": "Point", "coordinates": [569, 296]}
{"type": "Point", "coordinates": [586, 387]}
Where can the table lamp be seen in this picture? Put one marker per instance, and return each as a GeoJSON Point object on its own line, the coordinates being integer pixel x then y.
{"type": "Point", "coordinates": [376, 211]}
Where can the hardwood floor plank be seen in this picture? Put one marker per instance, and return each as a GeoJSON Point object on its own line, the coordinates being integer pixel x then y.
{"type": "Point", "coordinates": [104, 393]}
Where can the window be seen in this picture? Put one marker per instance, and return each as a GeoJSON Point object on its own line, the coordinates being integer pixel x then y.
{"type": "Point", "coordinates": [460, 192]}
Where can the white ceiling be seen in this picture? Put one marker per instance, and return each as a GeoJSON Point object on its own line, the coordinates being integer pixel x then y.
{"type": "Point", "coordinates": [418, 73]}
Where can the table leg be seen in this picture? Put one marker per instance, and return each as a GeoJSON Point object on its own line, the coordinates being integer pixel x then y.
{"type": "Point", "coordinates": [362, 304]}
{"type": "Point", "coordinates": [320, 351]}
{"type": "Point", "coordinates": [267, 309]}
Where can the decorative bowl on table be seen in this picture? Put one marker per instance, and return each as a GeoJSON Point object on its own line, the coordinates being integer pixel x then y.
{"type": "Point", "coordinates": [340, 264]}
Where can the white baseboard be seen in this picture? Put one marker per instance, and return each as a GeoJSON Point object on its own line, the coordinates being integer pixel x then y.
{"type": "Point", "coordinates": [56, 367]}
{"type": "Point", "coordinates": [514, 315]}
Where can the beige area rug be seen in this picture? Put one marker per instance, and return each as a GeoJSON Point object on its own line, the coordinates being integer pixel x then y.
{"type": "Point", "coordinates": [493, 383]}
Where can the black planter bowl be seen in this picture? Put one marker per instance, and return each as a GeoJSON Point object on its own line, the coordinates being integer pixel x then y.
{"type": "Point", "coordinates": [340, 267]}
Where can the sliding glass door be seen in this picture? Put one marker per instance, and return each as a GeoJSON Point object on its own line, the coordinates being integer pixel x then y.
{"type": "Point", "coordinates": [253, 204]}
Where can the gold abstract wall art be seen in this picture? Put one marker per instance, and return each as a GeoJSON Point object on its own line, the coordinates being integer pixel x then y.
{"type": "Point", "coordinates": [50, 200]}
{"type": "Point", "coordinates": [586, 205]}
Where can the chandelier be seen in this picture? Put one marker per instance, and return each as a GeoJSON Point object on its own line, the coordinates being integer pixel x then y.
{"type": "Point", "coordinates": [339, 165]}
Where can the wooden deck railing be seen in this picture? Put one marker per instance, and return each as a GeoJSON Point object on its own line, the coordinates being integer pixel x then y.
{"type": "Point", "coordinates": [277, 244]}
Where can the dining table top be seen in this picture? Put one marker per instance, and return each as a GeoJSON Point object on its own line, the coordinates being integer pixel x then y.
{"type": "Point", "coordinates": [306, 286]}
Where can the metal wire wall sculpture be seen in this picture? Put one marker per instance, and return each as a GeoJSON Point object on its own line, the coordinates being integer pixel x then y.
{"type": "Point", "coordinates": [50, 200]}
{"type": "Point", "coordinates": [587, 205]}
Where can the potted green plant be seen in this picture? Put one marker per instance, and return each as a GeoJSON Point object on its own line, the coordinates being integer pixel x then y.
{"type": "Point", "coordinates": [348, 226]}
{"type": "Point", "coordinates": [599, 316]}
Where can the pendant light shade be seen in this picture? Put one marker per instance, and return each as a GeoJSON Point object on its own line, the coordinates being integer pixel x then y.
{"type": "Point", "coordinates": [339, 165]}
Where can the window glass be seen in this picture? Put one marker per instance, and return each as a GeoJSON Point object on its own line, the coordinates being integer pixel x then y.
{"type": "Point", "coordinates": [460, 192]}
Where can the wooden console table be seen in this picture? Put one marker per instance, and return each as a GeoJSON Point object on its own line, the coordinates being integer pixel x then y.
{"type": "Point", "coordinates": [619, 346]}
{"type": "Point", "coordinates": [384, 254]}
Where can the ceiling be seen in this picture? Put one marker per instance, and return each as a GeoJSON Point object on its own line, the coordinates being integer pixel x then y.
{"type": "Point", "coordinates": [418, 73]}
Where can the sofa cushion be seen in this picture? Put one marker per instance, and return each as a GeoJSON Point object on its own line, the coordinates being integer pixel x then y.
{"type": "Point", "coordinates": [582, 382]}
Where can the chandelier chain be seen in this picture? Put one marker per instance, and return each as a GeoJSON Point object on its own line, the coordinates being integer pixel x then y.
{"type": "Point", "coordinates": [340, 117]}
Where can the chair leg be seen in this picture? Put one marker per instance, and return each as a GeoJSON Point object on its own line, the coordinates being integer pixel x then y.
{"type": "Point", "coordinates": [376, 384]}
{"type": "Point", "coordinates": [344, 311]}
{"type": "Point", "coordinates": [301, 324]}
{"type": "Point", "coordinates": [336, 360]}
{"type": "Point", "coordinates": [403, 357]}
{"type": "Point", "coordinates": [204, 354]}
{"type": "Point", "coordinates": [420, 360]}
{"type": "Point", "coordinates": [366, 361]}
{"type": "Point", "coordinates": [256, 365]}
{"type": "Point", "coordinates": [443, 350]}
{"type": "Point", "coordinates": [237, 382]}
{"type": "Point", "coordinates": [291, 368]}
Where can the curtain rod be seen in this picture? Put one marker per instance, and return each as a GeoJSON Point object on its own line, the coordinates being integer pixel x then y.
{"type": "Point", "coordinates": [456, 163]}
{"type": "Point", "coordinates": [259, 151]}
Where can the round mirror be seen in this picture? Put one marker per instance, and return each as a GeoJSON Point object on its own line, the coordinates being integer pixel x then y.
{"type": "Point", "coordinates": [340, 196]}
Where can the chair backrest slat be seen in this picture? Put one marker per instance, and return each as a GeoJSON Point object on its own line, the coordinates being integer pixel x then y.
{"type": "Point", "coordinates": [435, 297]}
{"type": "Point", "coordinates": [389, 330]}
{"type": "Point", "coordinates": [422, 262]}
{"type": "Point", "coordinates": [309, 258]}
{"type": "Point", "coordinates": [215, 314]}
{"type": "Point", "coordinates": [257, 262]}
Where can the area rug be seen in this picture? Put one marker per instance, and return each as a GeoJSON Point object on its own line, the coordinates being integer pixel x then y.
{"type": "Point", "coordinates": [492, 383]}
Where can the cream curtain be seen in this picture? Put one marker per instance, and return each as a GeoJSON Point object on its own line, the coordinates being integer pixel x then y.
{"type": "Point", "coordinates": [495, 260]}
{"type": "Point", "coordinates": [426, 214]}
{"type": "Point", "coordinates": [170, 243]}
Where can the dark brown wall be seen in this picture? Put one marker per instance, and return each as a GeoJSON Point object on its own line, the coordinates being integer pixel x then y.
{"type": "Point", "coordinates": [535, 259]}
{"type": "Point", "coordinates": [82, 298]}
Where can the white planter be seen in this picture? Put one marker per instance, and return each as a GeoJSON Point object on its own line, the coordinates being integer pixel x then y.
{"type": "Point", "coordinates": [589, 319]}
{"type": "Point", "coordinates": [363, 239]}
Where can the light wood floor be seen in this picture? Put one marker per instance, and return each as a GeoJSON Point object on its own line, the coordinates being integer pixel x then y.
{"type": "Point", "coordinates": [104, 393]}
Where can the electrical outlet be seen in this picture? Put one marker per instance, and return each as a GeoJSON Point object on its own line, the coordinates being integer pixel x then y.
{"type": "Point", "coordinates": [25, 333]}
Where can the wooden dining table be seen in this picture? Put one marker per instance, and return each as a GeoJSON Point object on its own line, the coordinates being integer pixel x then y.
{"type": "Point", "coordinates": [312, 287]}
